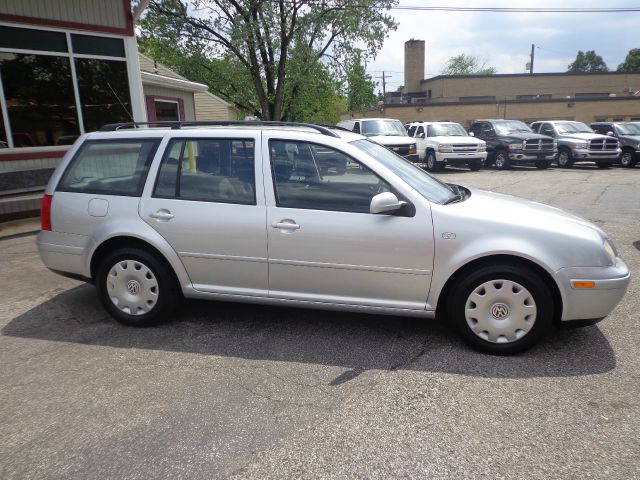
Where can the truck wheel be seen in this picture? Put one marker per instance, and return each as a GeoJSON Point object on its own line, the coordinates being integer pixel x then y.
{"type": "Point", "coordinates": [565, 158]}
{"type": "Point", "coordinates": [475, 166]}
{"type": "Point", "coordinates": [543, 164]}
{"type": "Point", "coordinates": [502, 160]}
{"type": "Point", "coordinates": [628, 159]}
{"type": "Point", "coordinates": [135, 288]}
{"type": "Point", "coordinates": [501, 309]}
{"type": "Point", "coordinates": [432, 164]}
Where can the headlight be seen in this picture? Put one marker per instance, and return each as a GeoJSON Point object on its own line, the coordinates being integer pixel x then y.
{"type": "Point", "coordinates": [555, 144]}
{"type": "Point", "coordinates": [610, 248]}
{"type": "Point", "coordinates": [580, 145]}
{"type": "Point", "coordinates": [516, 146]}
{"type": "Point", "coordinates": [445, 148]}
{"type": "Point", "coordinates": [638, 147]}
{"type": "Point", "coordinates": [483, 147]}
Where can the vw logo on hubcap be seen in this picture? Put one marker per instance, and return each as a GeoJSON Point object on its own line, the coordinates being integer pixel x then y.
{"type": "Point", "coordinates": [133, 287]}
{"type": "Point", "coordinates": [499, 311]}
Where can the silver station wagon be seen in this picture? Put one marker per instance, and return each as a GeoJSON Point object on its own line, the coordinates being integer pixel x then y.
{"type": "Point", "coordinates": [266, 212]}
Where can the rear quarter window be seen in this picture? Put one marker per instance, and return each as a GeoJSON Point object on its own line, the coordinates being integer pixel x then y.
{"type": "Point", "coordinates": [110, 167]}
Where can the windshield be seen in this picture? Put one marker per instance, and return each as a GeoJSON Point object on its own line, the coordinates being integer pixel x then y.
{"type": "Point", "coordinates": [427, 186]}
{"type": "Point", "coordinates": [448, 130]}
{"type": "Point", "coordinates": [572, 127]}
{"type": "Point", "coordinates": [511, 126]}
{"type": "Point", "coordinates": [628, 128]}
{"type": "Point", "coordinates": [388, 128]}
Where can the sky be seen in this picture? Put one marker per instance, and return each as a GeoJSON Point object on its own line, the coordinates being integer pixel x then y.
{"type": "Point", "coordinates": [504, 40]}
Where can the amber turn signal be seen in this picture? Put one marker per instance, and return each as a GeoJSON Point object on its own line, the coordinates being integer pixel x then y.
{"type": "Point", "coordinates": [583, 284]}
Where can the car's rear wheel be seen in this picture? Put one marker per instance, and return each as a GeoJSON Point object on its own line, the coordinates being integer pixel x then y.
{"type": "Point", "coordinates": [432, 164]}
{"type": "Point", "coordinates": [565, 158]}
{"type": "Point", "coordinates": [501, 309]}
{"type": "Point", "coordinates": [628, 159]}
{"type": "Point", "coordinates": [502, 160]}
{"type": "Point", "coordinates": [543, 164]}
{"type": "Point", "coordinates": [136, 288]}
{"type": "Point", "coordinates": [475, 166]}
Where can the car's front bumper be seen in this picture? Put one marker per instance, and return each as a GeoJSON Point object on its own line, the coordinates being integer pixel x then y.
{"type": "Point", "coordinates": [595, 156]}
{"type": "Point", "coordinates": [461, 157]}
{"type": "Point", "coordinates": [580, 304]}
{"type": "Point", "coordinates": [522, 156]}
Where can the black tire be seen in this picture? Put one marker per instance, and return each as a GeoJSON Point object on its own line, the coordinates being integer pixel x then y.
{"type": "Point", "coordinates": [475, 166]}
{"type": "Point", "coordinates": [167, 295]}
{"type": "Point", "coordinates": [602, 166]}
{"type": "Point", "coordinates": [523, 276]}
{"type": "Point", "coordinates": [628, 159]}
{"type": "Point", "coordinates": [543, 164]}
{"type": "Point", "coordinates": [432, 164]}
{"type": "Point", "coordinates": [501, 160]}
{"type": "Point", "coordinates": [565, 158]}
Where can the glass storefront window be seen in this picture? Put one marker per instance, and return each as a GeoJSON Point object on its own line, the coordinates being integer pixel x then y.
{"type": "Point", "coordinates": [104, 92]}
{"type": "Point", "coordinates": [39, 93]}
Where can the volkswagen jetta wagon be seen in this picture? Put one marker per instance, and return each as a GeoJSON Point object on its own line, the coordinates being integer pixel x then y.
{"type": "Point", "coordinates": [249, 212]}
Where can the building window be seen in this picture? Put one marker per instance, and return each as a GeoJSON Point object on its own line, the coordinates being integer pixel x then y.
{"type": "Point", "coordinates": [39, 96]}
{"type": "Point", "coordinates": [167, 110]}
{"type": "Point", "coordinates": [484, 98]}
{"type": "Point", "coordinates": [55, 86]}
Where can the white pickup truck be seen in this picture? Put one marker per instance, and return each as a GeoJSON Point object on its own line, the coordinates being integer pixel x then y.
{"type": "Point", "coordinates": [442, 143]}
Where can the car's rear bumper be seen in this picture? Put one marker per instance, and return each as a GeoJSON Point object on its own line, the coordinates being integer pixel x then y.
{"type": "Point", "coordinates": [60, 256]}
{"type": "Point", "coordinates": [610, 285]}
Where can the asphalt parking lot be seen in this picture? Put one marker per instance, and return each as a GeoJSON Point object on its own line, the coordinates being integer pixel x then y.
{"type": "Point", "coordinates": [237, 391]}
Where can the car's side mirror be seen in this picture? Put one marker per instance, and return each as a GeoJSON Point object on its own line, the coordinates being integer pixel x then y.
{"type": "Point", "coordinates": [420, 135]}
{"type": "Point", "coordinates": [471, 134]}
{"type": "Point", "coordinates": [609, 133]}
{"type": "Point", "coordinates": [385, 202]}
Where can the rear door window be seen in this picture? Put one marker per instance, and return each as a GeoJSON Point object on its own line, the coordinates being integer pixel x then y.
{"type": "Point", "coordinates": [208, 170]}
{"type": "Point", "coordinates": [110, 167]}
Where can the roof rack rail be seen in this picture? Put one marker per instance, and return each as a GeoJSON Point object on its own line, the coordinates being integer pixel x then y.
{"type": "Point", "coordinates": [177, 125]}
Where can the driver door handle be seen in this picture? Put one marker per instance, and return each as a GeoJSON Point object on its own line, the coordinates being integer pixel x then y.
{"type": "Point", "coordinates": [162, 215]}
{"type": "Point", "coordinates": [286, 225]}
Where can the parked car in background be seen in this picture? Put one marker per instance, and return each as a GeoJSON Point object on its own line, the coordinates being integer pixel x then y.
{"type": "Point", "coordinates": [447, 143]}
{"type": "Point", "coordinates": [385, 131]}
{"type": "Point", "coordinates": [240, 211]}
{"type": "Point", "coordinates": [512, 141]}
{"type": "Point", "coordinates": [579, 143]}
{"type": "Point", "coordinates": [627, 134]}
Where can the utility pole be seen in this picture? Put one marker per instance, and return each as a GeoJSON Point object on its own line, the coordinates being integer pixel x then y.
{"type": "Point", "coordinates": [384, 84]}
{"type": "Point", "coordinates": [533, 50]}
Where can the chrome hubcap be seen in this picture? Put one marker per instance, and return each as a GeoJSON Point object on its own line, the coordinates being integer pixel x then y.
{"type": "Point", "coordinates": [430, 161]}
{"type": "Point", "coordinates": [500, 311]}
{"type": "Point", "coordinates": [562, 158]}
{"type": "Point", "coordinates": [499, 161]}
{"type": "Point", "coordinates": [626, 159]}
{"type": "Point", "coordinates": [132, 287]}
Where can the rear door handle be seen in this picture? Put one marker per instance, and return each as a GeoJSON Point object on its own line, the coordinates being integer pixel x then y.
{"type": "Point", "coordinates": [163, 214]}
{"type": "Point", "coordinates": [286, 225]}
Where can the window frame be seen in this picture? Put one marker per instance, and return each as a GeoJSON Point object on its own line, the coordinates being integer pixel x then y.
{"type": "Point", "coordinates": [167, 149]}
{"type": "Point", "coordinates": [71, 56]}
{"type": "Point", "coordinates": [143, 178]}
{"type": "Point", "coordinates": [350, 158]}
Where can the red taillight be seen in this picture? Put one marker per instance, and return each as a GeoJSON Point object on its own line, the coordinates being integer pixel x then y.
{"type": "Point", "coordinates": [45, 212]}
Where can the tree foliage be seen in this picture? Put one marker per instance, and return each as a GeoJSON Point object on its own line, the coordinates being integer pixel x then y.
{"type": "Point", "coordinates": [360, 86]}
{"type": "Point", "coordinates": [267, 45]}
{"type": "Point", "coordinates": [587, 62]}
{"type": "Point", "coordinates": [631, 63]}
{"type": "Point", "coordinates": [464, 64]}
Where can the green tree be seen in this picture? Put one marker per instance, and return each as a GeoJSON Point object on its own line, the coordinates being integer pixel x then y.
{"type": "Point", "coordinates": [631, 63]}
{"type": "Point", "coordinates": [464, 64]}
{"type": "Point", "coordinates": [588, 62]}
{"type": "Point", "coordinates": [360, 86]}
{"type": "Point", "coordinates": [263, 38]}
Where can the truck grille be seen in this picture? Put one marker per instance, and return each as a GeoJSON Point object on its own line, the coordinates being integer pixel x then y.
{"type": "Point", "coordinates": [466, 147]}
{"type": "Point", "coordinates": [539, 144]}
{"type": "Point", "coordinates": [601, 144]}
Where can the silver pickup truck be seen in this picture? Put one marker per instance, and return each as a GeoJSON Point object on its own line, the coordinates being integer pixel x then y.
{"type": "Point", "coordinates": [579, 143]}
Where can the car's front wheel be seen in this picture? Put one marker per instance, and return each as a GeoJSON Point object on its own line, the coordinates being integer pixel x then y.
{"type": "Point", "coordinates": [432, 164]}
{"type": "Point", "coordinates": [628, 159]}
{"type": "Point", "coordinates": [136, 288]}
{"type": "Point", "coordinates": [501, 309]}
{"type": "Point", "coordinates": [502, 160]}
{"type": "Point", "coordinates": [565, 158]}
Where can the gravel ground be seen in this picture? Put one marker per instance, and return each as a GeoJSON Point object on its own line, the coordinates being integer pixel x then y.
{"type": "Point", "coordinates": [237, 391]}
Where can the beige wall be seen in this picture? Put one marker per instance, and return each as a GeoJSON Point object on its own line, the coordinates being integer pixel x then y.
{"type": "Point", "coordinates": [148, 65]}
{"type": "Point", "coordinates": [187, 98]}
{"type": "Point", "coordinates": [583, 111]}
{"type": "Point", "coordinates": [446, 89]}
{"type": "Point", "coordinates": [210, 107]}
{"type": "Point", "coordinates": [106, 13]}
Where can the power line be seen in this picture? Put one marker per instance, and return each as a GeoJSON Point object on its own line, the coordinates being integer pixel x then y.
{"type": "Point", "coordinates": [516, 9]}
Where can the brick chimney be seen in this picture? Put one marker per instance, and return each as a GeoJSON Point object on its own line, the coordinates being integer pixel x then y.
{"type": "Point", "coordinates": [413, 65]}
